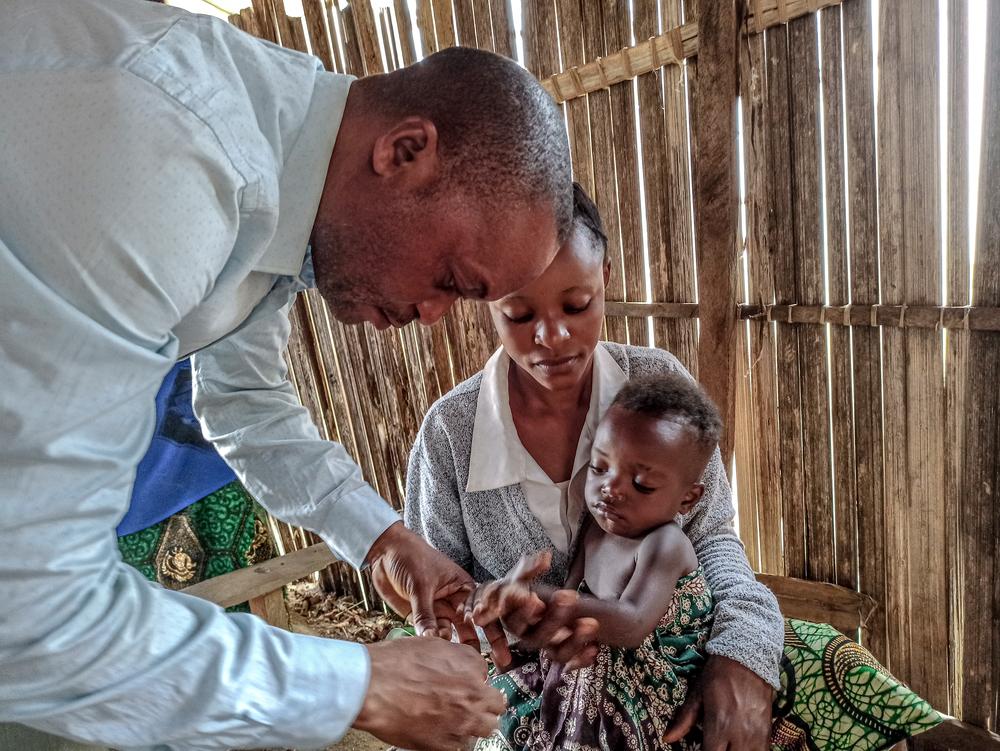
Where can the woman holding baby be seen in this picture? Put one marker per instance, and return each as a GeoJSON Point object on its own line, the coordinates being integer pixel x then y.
{"type": "Point", "coordinates": [626, 504]}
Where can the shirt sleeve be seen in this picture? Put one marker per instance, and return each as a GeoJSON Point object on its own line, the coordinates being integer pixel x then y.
{"type": "Point", "coordinates": [748, 626]}
{"type": "Point", "coordinates": [112, 223]}
{"type": "Point", "coordinates": [250, 411]}
{"type": "Point", "coordinates": [433, 506]}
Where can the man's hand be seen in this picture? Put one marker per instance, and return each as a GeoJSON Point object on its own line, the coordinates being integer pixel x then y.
{"type": "Point", "coordinates": [428, 695]}
{"type": "Point", "coordinates": [417, 580]}
{"type": "Point", "coordinates": [735, 704]}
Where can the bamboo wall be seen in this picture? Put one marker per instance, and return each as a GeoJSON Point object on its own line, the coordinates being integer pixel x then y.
{"type": "Point", "coordinates": [867, 404]}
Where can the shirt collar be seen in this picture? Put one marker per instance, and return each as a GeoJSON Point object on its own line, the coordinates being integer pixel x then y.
{"type": "Point", "coordinates": [498, 458]}
{"type": "Point", "coordinates": [304, 174]}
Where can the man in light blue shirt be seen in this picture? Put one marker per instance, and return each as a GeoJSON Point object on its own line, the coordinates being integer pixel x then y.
{"type": "Point", "coordinates": [167, 185]}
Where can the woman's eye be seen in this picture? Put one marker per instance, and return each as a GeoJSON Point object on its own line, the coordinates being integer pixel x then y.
{"type": "Point", "coordinates": [597, 470]}
{"type": "Point", "coordinates": [518, 319]}
{"type": "Point", "coordinates": [642, 488]}
{"type": "Point", "coordinates": [575, 309]}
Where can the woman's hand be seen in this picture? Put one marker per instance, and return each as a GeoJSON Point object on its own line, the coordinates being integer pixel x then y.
{"type": "Point", "coordinates": [735, 704]}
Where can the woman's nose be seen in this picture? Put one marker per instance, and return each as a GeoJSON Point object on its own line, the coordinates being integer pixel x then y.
{"type": "Point", "coordinates": [550, 332]}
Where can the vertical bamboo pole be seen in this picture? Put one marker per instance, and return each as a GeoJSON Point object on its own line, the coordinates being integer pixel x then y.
{"type": "Point", "coordinates": [605, 193]}
{"type": "Point", "coordinates": [571, 49]}
{"type": "Point", "coordinates": [807, 227]}
{"type": "Point", "coordinates": [839, 337]}
{"type": "Point", "coordinates": [763, 437]}
{"type": "Point", "coordinates": [782, 240]}
{"type": "Point", "coordinates": [909, 236]}
{"type": "Point", "coordinates": [866, 361]}
{"type": "Point", "coordinates": [956, 371]}
{"type": "Point", "coordinates": [680, 267]}
{"type": "Point", "coordinates": [617, 36]}
{"type": "Point", "coordinates": [980, 526]}
{"type": "Point", "coordinates": [715, 207]}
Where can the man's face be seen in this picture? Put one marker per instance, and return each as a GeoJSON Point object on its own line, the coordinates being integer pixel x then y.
{"type": "Point", "coordinates": [410, 260]}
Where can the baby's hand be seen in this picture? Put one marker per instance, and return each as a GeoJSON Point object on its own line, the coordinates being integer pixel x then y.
{"type": "Point", "coordinates": [495, 601]}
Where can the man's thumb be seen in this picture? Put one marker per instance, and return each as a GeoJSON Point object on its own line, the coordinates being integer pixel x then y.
{"type": "Point", "coordinates": [422, 607]}
{"type": "Point", "coordinates": [684, 720]}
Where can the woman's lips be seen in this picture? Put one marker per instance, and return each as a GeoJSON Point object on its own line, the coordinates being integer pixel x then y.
{"type": "Point", "coordinates": [557, 364]}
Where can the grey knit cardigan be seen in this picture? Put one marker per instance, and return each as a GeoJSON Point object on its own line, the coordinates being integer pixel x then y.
{"type": "Point", "coordinates": [486, 532]}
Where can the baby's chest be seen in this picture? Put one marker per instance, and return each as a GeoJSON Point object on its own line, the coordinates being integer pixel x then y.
{"type": "Point", "coordinates": [609, 565]}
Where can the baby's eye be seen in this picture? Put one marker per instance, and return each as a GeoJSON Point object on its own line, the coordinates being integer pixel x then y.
{"type": "Point", "coordinates": [597, 470]}
{"type": "Point", "coordinates": [642, 488]}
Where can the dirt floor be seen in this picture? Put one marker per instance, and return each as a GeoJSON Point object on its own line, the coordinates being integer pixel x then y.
{"type": "Point", "coordinates": [319, 614]}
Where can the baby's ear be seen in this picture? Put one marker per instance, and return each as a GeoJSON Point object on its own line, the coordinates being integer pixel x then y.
{"type": "Point", "coordinates": [694, 494]}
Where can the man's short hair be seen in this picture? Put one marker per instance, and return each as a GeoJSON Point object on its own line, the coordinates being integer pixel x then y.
{"type": "Point", "coordinates": [501, 135]}
{"type": "Point", "coordinates": [673, 396]}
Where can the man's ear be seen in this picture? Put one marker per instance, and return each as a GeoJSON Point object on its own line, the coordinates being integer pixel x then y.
{"type": "Point", "coordinates": [694, 494]}
{"type": "Point", "coordinates": [408, 149]}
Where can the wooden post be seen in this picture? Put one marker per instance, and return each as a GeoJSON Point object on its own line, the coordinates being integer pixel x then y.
{"type": "Point", "coordinates": [715, 207]}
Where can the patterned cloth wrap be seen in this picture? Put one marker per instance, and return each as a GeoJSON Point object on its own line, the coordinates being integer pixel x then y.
{"type": "Point", "coordinates": [222, 532]}
{"type": "Point", "coordinates": [834, 694]}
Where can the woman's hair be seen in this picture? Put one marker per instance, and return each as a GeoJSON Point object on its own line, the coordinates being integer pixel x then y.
{"type": "Point", "coordinates": [673, 396]}
{"type": "Point", "coordinates": [586, 215]}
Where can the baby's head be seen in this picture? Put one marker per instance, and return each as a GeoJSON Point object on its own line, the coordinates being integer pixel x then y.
{"type": "Point", "coordinates": [649, 453]}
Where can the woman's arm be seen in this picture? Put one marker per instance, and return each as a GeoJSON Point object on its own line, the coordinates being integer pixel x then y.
{"type": "Point", "coordinates": [433, 504]}
{"type": "Point", "coordinates": [748, 626]}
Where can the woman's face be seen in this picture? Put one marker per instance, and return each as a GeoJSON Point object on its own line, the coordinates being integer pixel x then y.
{"type": "Point", "coordinates": [551, 327]}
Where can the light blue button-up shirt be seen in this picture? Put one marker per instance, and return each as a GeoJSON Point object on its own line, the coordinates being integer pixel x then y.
{"type": "Point", "coordinates": [159, 177]}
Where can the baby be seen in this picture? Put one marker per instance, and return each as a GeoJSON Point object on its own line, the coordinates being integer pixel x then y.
{"type": "Point", "coordinates": [637, 575]}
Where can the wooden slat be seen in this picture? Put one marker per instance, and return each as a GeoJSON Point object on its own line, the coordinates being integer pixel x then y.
{"type": "Point", "coordinates": [425, 27]}
{"type": "Point", "coordinates": [715, 209]}
{"type": "Point", "coordinates": [246, 583]}
{"type": "Point", "coordinates": [362, 13]}
{"type": "Point", "coordinates": [980, 528]}
{"type": "Point", "coordinates": [444, 25]}
{"type": "Point", "coordinates": [866, 361]}
{"type": "Point", "coordinates": [617, 35]}
{"type": "Point", "coordinates": [605, 193]}
{"type": "Point", "coordinates": [503, 28]}
{"type": "Point", "coordinates": [318, 34]}
{"type": "Point", "coordinates": [404, 27]}
{"type": "Point", "coordinates": [682, 338]}
{"type": "Point", "coordinates": [465, 23]}
{"type": "Point", "coordinates": [571, 50]}
{"type": "Point", "coordinates": [809, 289]}
{"type": "Point", "coordinates": [957, 342]}
{"type": "Point", "coordinates": [909, 208]}
{"type": "Point", "coordinates": [271, 607]}
{"type": "Point", "coordinates": [763, 437]}
{"type": "Point", "coordinates": [782, 240]}
{"type": "Point", "coordinates": [841, 402]}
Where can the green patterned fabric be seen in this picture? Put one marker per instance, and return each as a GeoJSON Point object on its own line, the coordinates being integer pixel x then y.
{"type": "Point", "coordinates": [222, 532]}
{"type": "Point", "coordinates": [835, 695]}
